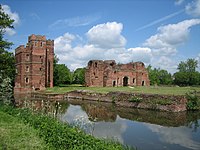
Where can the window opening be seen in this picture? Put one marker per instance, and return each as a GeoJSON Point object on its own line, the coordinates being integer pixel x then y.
{"type": "Point", "coordinates": [125, 81]}
{"type": "Point", "coordinates": [27, 69]}
{"type": "Point", "coordinates": [27, 80]}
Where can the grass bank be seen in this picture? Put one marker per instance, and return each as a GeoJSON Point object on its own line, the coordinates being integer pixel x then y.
{"type": "Point", "coordinates": [38, 127]}
{"type": "Point", "coordinates": [14, 134]}
{"type": "Point", "coordinates": [148, 90]}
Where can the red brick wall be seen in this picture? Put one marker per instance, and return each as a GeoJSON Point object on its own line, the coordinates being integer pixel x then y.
{"type": "Point", "coordinates": [34, 64]}
{"type": "Point", "coordinates": [108, 73]}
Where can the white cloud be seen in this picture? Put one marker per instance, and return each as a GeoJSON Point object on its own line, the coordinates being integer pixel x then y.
{"type": "Point", "coordinates": [140, 54]}
{"type": "Point", "coordinates": [111, 130]}
{"type": "Point", "coordinates": [78, 56]}
{"type": "Point", "coordinates": [105, 41]}
{"type": "Point", "coordinates": [193, 8]}
{"type": "Point", "coordinates": [63, 43]}
{"type": "Point", "coordinates": [75, 22]}
{"type": "Point", "coordinates": [181, 136]}
{"type": "Point", "coordinates": [179, 2]}
{"type": "Point", "coordinates": [165, 62]}
{"type": "Point", "coordinates": [10, 31]}
{"type": "Point", "coordinates": [12, 15]}
{"type": "Point", "coordinates": [198, 59]}
{"type": "Point", "coordinates": [107, 35]}
{"type": "Point", "coordinates": [116, 129]}
{"type": "Point", "coordinates": [169, 37]}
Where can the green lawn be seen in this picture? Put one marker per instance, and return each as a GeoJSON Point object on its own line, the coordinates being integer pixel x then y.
{"type": "Point", "coordinates": [14, 134]}
{"type": "Point", "coordinates": [149, 90]}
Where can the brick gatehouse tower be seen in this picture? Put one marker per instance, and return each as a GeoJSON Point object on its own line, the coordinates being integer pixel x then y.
{"type": "Point", "coordinates": [34, 64]}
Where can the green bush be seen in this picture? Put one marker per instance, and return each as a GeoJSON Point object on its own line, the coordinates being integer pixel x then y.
{"type": "Point", "coordinates": [193, 102]}
{"type": "Point", "coordinates": [135, 99]}
{"type": "Point", "coordinates": [6, 90]}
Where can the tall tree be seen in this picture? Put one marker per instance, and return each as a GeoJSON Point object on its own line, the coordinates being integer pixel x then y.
{"type": "Point", "coordinates": [158, 76]}
{"type": "Point", "coordinates": [165, 77]}
{"type": "Point", "coordinates": [7, 65]}
{"type": "Point", "coordinates": [182, 66]}
{"type": "Point", "coordinates": [7, 61]}
{"type": "Point", "coordinates": [62, 75]}
{"type": "Point", "coordinates": [187, 74]}
{"type": "Point", "coordinates": [191, 65]}
{"type": "Point", "coordinates": [79, 76]}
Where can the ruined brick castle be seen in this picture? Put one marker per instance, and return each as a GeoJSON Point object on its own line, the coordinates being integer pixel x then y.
{"type": "Point", "coordinates": [34, 64]}
{"type": "Point", "coordinates": [107, 73]}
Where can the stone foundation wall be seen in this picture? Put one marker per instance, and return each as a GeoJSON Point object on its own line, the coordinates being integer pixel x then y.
{"type": "Point", "coordinates": [169, 103]}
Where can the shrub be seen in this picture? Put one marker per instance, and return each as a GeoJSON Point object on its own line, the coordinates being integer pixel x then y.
{"type": "Point", "coordinates": [135, 99]}
{"type": "Point", "coordinates": [193, 102]}
{"type": "Point", "coordinates": [6, 90]}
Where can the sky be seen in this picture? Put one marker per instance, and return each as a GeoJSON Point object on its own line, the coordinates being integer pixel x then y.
{"type": "Point", "coordinates": [160, 33]}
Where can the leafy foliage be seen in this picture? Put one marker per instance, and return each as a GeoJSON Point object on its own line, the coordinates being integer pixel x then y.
{"type": "Point", "coordinates": [187, 74]}
{"type": "Point", "coordinates": [79, 76]}
{"type": "Point", "coordinates": [159, 77]}
{"type": "Point", "coordinates": [135, 99]}
{"type": "Point", "coordinates": [6, 90]}
{"type": "Point", "coordinates": [193, 100]}
{"type": "Point", "coordinates": [62, 74]}
{"type": "Point", "coordinates": [7, 61]}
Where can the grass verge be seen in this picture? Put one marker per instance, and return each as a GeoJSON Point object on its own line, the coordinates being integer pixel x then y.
{"type": "Point", "coordinates": [16, 135]}
{"type": "Point", "coordinates": [148, 90]}
{"type": "Point", "coordinates": [57, 135]}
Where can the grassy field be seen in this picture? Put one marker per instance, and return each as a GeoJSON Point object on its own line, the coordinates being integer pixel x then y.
{"type": "Point", "coordinates": [149, 90]}
{"type": "Point", "coordinates": [14, 134]}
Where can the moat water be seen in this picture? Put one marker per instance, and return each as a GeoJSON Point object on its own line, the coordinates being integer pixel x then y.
{"type": "Point", "coordinates": [143, 129]}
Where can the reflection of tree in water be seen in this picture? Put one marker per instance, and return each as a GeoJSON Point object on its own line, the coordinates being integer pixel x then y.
{"type": "Point", "coordinates": [161, 118]}
{"type": "Point", "coordinates": [99, 113]}
{"type": "Point", "coordinates": [193, 122]}
{"type": "Point", "coordinates": [63, 106]}
{"type": "Point", "coordinates": [42, 105]}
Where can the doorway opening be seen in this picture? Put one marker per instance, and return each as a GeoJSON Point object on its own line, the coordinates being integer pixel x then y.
{"type": "Point", "coordinates": [114, 83]}
{"type": "Point", "coordinates": [143, 83]}
{"type": "Point", "coordinates": [125, 81]}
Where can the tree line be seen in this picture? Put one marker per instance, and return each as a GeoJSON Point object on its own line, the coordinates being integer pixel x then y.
{"type": "Point", "coordinates": [63, 75]}
{"type": "Point", "coordinates": [187, 74]}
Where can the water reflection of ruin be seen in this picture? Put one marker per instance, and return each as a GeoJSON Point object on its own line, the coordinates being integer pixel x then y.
{"type": "Point", "coordinates": [108, 112]}
{"type": "Point", "coordinates": [97, 111]}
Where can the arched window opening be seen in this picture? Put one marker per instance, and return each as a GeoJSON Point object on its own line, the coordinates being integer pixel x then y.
{"type": "Point", "coordinates": [27, 80]}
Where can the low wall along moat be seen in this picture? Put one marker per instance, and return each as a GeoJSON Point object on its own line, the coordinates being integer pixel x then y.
{"type": "Point", "coordinates": [169, 103]}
